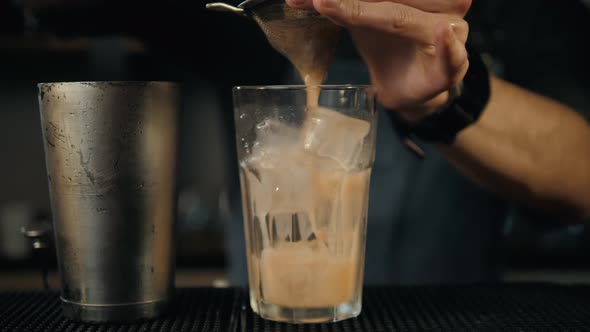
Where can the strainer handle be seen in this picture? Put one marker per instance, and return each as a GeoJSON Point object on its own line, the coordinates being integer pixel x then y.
{"type": "Point", "coordinates": [224, 7]}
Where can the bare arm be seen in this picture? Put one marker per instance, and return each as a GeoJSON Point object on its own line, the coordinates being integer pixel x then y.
{"type": "Point", "coordinates": [524, 147]}
{"type": "Point", "coordinates": [528, 148]}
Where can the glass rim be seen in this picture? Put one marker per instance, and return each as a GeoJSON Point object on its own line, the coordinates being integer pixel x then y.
{"type": "Point", "coordinates": [301, 87]}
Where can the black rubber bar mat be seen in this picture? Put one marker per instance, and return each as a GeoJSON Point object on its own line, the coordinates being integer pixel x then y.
{"type": "Point", "coordinates": [197, 310]}
{"type": "Point", "coordinates": [512, 307]}
{"type": "Point", "coordinates": [506, 307]}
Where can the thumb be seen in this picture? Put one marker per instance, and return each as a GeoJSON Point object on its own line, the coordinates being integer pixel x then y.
{"type": "Point", "coordinates": [452, 39]}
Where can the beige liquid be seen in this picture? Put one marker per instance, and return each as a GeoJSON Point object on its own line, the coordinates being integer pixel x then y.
{"type": "Point", "coordinates": [313, 273]}
{"type": "Point", "coordinates": [320, 273]}
{"type": "Point", "coordinates": [299, 275]}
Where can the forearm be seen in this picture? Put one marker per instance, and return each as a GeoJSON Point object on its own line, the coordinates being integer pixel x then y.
{"type": "Point", "coordinates": [530, 149]}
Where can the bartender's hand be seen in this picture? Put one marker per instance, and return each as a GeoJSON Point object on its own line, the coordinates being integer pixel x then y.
{"type": "Point", "coordinates": [415, 49]}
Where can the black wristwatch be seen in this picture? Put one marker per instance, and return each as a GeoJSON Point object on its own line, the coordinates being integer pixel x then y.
{"type": "Point", "coordinates": [463, 110]}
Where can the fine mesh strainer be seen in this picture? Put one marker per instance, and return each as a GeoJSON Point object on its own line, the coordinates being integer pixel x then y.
{"type": "Point", "coordinates": [305, 37]}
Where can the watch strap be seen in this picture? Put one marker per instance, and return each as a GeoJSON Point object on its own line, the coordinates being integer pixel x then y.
{"type": "Point", "coordinates": [463, 110]}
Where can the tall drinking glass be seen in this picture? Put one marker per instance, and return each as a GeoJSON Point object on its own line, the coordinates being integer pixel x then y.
{"type": "Point", "coordinates": [304, 172]}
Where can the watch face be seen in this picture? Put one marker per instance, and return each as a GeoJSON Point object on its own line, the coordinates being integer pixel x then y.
{"type": "Point", "coordinates": [476, 85]}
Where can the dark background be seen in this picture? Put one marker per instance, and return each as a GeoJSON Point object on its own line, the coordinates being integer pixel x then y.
{"type": "Point", "coordinates": [538, 44]}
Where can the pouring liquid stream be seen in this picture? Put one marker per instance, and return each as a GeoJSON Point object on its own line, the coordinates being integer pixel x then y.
{"type": "Point", "coordinates": [308, 41]}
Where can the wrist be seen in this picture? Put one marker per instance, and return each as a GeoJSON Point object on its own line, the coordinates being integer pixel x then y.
{"type": "Point", "coordinates": [440, 102]}
{"type": "Point", "coordinates": [463, 107]}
